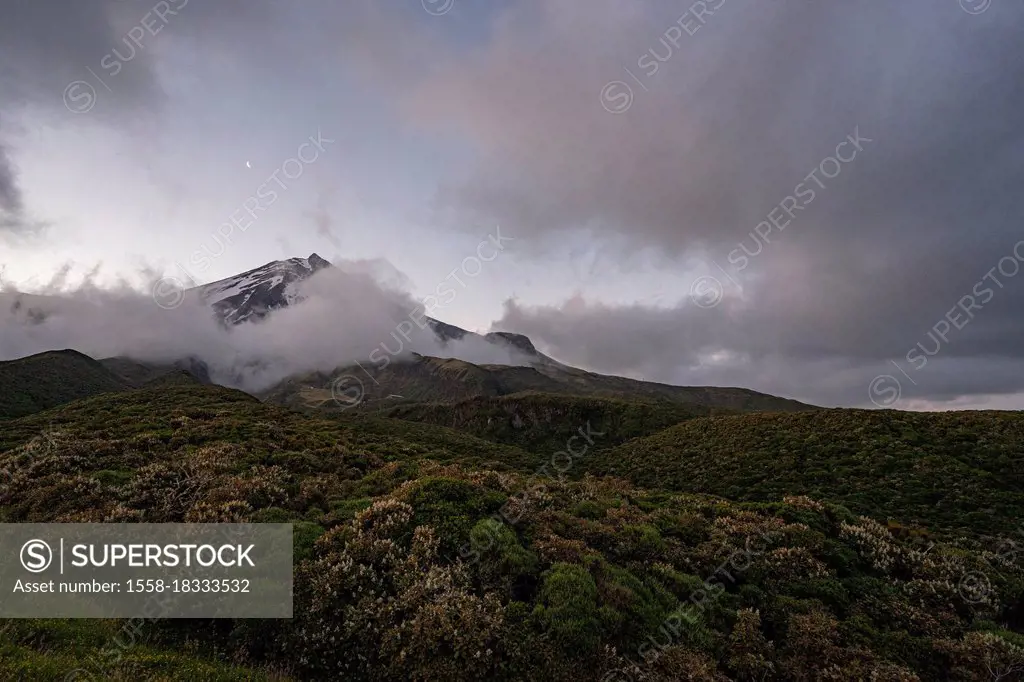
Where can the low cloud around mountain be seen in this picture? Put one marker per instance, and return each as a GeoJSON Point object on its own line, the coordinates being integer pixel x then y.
{"type": "Point", "coordinates": [346, 317]}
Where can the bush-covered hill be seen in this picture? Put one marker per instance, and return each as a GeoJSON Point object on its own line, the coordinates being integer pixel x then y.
{"type": "Point", "coordinates": [167, 417]}
{"type": "Point", "coordinates": [411, 568]}
{"type": "Point", "coordinates": [138, 373]}
{"type": "Point", "coordinates": [956, 470]}
{"type": "Point", "coordinates": [45, 380]}
{"type": "Point", "coordinates": [41, 381]}
{"type": "Point", "coordinates": [423, 379]}
{"type": "Point", "coordinates": [544, 423]}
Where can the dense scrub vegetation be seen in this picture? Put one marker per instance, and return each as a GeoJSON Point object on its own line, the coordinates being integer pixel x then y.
{"type": "Point", "coordinates": [140, 374]}
{"type": "Point", "coordinates": [415, 559]}
{"type": "Point", "coordinates": [953, 470]}
{"type": "Point", "coordinates": [543, 423]}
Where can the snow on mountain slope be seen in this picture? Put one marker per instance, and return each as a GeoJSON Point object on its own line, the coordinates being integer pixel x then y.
{"type": "Point", "coordinates": [251, 295]}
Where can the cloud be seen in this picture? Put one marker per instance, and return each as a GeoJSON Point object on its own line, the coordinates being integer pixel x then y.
{"type": "Point", "coordinates": [820, 360]}
{"type": "Point", "coordinates": [11, 205]}
{"type": "Point", "coordinates": [114, 46]}
{"type": "Point", "coordinates": [346, 314]}
{"type": "Point", "coordinates": [725, 125]}
{"type": "Point", "coordinates": [735, 117]}
{"type": "Point", "coordinates": [732, 105]}
{"type": "Point", "coordinates": [69, 62]}
{"type": "Point", "coordinates": [47, 45]}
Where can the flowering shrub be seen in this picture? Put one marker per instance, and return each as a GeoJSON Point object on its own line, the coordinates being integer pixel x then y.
{"type": "Point", "coordinates": [411, 564]}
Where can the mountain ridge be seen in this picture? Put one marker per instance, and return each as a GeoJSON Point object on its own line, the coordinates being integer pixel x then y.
{"type": "Point", "coordinates": [426, 379]}
{"type": "Point", "coordinates": [252, 295]}
{"type": "Point", "coordinates": [44, 380]}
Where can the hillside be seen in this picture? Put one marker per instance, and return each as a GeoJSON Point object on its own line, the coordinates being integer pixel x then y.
{"type": "Point", "coordinates": [424, 379]}
{"type": "Point", "coordinates": [152, 419]}
{"type": "Point", "coordinates": [38, 382]}
{"type": "Point", "coordinates": [41, 381]}
{"type": "Point", "coordinates": [580, 382]}
{"type": "Point", "coordinates": [957, 470]}
{"type": "Point", "coordinates": [440, 380]}
{"type": "Point", "coordinates": [448, 571]}
{"type": "Point", "coordinates": [139, 373]}
{"type": "Point", "coordinates": [545, 423]}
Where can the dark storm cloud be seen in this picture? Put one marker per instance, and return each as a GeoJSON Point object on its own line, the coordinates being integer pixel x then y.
{"type": "Point", "coordinates": [738, 343]}
{"type": "Point", "coordinates": [10, 196]}
{"type": "Point", "coordinates": [64, 56]}
{"type": "Point", "coordinates": [737, 115]}
{"type": "Point", "coordinates": [12, 205]}
{"type": "Point", "coordinates": [48, 44]}
{"type": "Point", "coordinates": [725, 127]}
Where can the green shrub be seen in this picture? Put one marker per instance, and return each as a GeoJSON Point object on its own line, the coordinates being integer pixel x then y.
{"type": "Point", "coordinates": [588, 509]}
{"type": "Point", "coordinates": [568, 608]}
{"type": "Point", "coordinates": [501, 558]}
{"type": "Point", "coordinates": [452, 507]}
{"type": "Point", "coordinates": [272, 515]}
{"type": "Point", "coordinates": [304, 537]}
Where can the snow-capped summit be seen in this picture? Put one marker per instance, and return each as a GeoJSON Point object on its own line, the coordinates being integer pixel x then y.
{"type": "Point", "coordinates": [251, 295]}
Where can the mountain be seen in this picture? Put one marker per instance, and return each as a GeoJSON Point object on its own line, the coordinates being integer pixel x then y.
{"type": "Point", "coordinates": [39, 382]}
{"type": "Point", "coordinates": [139, 374]}
{"type": "Point", "coordinates": [253, 294]}
{"type": "Point", "coordinates": [423, 379]}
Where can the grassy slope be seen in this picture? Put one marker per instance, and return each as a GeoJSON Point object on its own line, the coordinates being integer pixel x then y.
{"type": "Point", "coordinates": [961, 470]}
{"type": "Point", "coordinates": [44, 380]}
{"type": "Point", "coordinates": [173, 377]}
{"type": "Point", "coordinates": [586, 566]}
{"type": "Point", "coordinates": [133, 372]}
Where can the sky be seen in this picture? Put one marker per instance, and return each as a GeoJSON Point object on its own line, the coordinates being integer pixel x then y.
{"type": "Point", "coordinates": [819, 201]}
